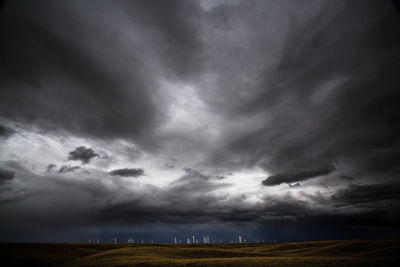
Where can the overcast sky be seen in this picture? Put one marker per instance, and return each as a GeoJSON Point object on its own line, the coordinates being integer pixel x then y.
{"type": "Point", "coordinates": [155, 119]}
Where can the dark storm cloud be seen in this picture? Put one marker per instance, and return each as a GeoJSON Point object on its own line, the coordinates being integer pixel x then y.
{"type": "Point", "coordinates": [366, 194]}
{"type": "Point", "coordinates": [276, 214]}
{"type": "Point", "coordinates": [5, 131]}
{"type": "Point", "coordinates": [6, 175]}
{"type": "Point", "coordinates": [93, 71]}
{"type": "Point", "coordinates": [126, 172]}
{"type": "Point", "coordinates": [288, 178]}
{"type": "Point", "coordinates": [22, 195]}
{"type": "Point", "coordinates": [83, 154]}
{"type": "Point", "coordinates": [176, 24]}
{"type": "Point", "coordinates": [190, 202]}
{"type": "Point", "coordinates": [346, 177]}
{"type": "Point", "coordinates": [329, 96]}
{"type": "Point", "coordinates": [187, 200]}
{"type": "Point", "coordinates": [92, 187]}
{"type": "Point", "coordinates": [65, 169]}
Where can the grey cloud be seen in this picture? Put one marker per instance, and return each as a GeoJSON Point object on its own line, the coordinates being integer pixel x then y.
{"type": "Point", "coordinates": [357, 194]}
{"type": "Point", "coordinates": [321, 96]}
{"type": "Point", "coordinates": [102, 115]}
{"type": "Point", "coordinates": [82, 154]}
{"type": "Point", "coordinates": [191, 174]}
{"type": "Point", "coordinates": [187, 200]}
{"type": "Point", "coordinates": [346, 177]}
{"type": "Point", "coordinates": [176, 24]}
{"type": "Point", "coordinates": [170, 164]}
{"type": "Point", "coordinates": [81, 80]}
{"type": "Point", "coordinates": [193, 183]}
{"type": "Point", "coordinates": [65, 169]}
{"type": "Point", "coordinates": [190, 202]}
{"type": "Point", "coordinates": [294, 185]}
{"type": "Point", "coordinates": [14, 165]}
{"type": "Point", "coordinates": [50, 167]}
{"type": "Point", "coordinates": [173, 207]}
{"type": "Point", "coordinates": [126, 172]}
{"type": "Point", "coordinates": [6, 175]}
{"type": "Point", "coordinates": [21, 196]}
{"type": "Point", "coordinates": [296, 177]}
{"type": "Point", "coordinates": [92, 187]}
{"type": "Point", "coordinates": [5, 131]}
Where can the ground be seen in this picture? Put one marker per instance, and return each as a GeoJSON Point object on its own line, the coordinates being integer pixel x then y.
{"type": "Point", "coordinates": [321, 253]}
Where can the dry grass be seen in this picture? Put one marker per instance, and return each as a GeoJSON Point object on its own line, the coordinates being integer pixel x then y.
{"type": "Point", "coordinates": [324, 253]}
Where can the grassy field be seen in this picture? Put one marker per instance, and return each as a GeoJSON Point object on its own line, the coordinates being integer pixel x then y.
{"type": "Point", "coordinates": [322, 253]}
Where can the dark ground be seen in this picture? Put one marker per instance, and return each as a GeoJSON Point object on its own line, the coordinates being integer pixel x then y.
{"type": "Point", "coordinates": [321, 253]}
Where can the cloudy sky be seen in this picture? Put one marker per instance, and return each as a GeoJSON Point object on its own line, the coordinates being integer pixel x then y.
{"type": "Point", "coordinates": [155, 119]}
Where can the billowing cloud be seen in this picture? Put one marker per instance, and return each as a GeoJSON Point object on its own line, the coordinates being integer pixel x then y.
{"type": "Point", "coordinates": [126, 172]}
{"type": "Point", "coordinates": [93, 84]}
{"type": "Point", "coordinates": [298, 110]}
{"type": "Point", "coordinates": [82, 154]}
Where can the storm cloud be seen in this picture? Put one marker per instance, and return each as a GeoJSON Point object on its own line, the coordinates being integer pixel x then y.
{"type": "Point", "coordinates": [5, 131]}
{"type": "Point", "coordinates": [311, 107]}
{"type": "Point", "coordinates": [78, 78]}
{"type": "Point", "coordinates": [126, 172]}
{"type": "Point", "coordinates": [367, 194]}
{"type": "Point", "coordinates": [297, 177]}
{"type": "Point", "coordinates": [279, 117]}
{"type": "Point", "coordinates": [6, 175]}
{"type": "Point", "coordinates": [82, 154]}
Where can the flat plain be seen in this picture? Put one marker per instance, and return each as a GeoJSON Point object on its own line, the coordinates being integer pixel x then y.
{"type": "Point", "coordinates": [317, 253]}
